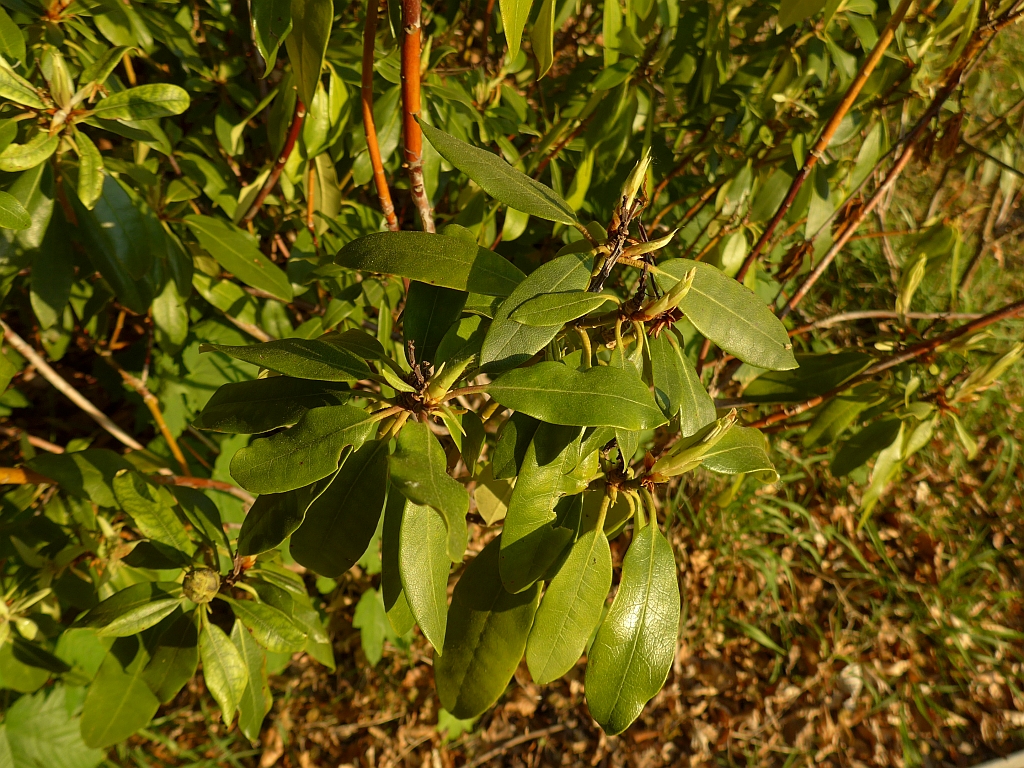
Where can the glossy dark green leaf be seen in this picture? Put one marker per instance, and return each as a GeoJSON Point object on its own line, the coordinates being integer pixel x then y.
{"type": "Point", "coordinates": [273, 517]}
{"type": "Point", "coordinates": [271, 23]}
{"type": "Point", "coordinates": [133, 609]}
{"type": "Point", "coordinates": [307, 43]}
{"type": "Point", "coordinates": [173, 647]}
{"type": "Point", "coordinates": [143, 102]}
{"type": "Point", "coordinates": [260, 405]}
{"type": "Point", "coordinates": [557, 308]}
{"type": "Point", "coordinates": [317, 359]}
{"type": "Point", "coordinates": [302, 454]}
{"type": "Point", "coordinates": [119, 701]}
{"type": "Point", "coordinates": [12, 213]}
{"type": "Point", "coordinates": [396, 603]}
{"type": "Point", "coordinates": [732, 316]}
{"type": "Point", "coordinates": [600, 396]}
{"type": "Point", "coordinates": [341, 521]}
{"type": "Point", "coordinates": [636, 643]}
{"type": "Point", "coordinates": [224, 670]}
{"type": "Point", "coordinates": [513, 441]}
{"type": "Point", "coordinates": [449, 262]}
{"type": "Point", "coordinates": [486, 636]}
{"type": "Point", "coordinates": [543, 37]}
{"type": "Point", "coordinates": [423, 565]}
{"type": "Point", "coordinates": [499, 179]}
{"type": "Point", "coordinates": [571, 608]}
{"type": "Point", "coordinates": [152, 508]}
{"type": "Point", "coordinates": [90, 171]}
{"type": "Point", "coordinates": [862, 446]}
{"type": "Point", "coordinates": [12, 41]}
{"type": "Point", "coordinates": [509, 343]}
{"type": "Point", "coordinates": [430, 312]}
{"type": "Point", "coordinates": [677, 389]}
{"type": "Point", "coordinates": [816, 375]}
{"type": "Point", "coordinates": [741, 450]}
{"type": "Point", "coordinates": [235, 250]}
{"type": "Point", "coordinates": [255, 701]}
{"type": "Point", "coordinates": [419, 471]}
{"type": "Point", "coordinates": [272, 628]}
{"type": "Point", "coordinates": [529, 541]}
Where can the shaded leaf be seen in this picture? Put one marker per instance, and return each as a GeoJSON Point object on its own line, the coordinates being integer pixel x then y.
{"type": "Point", "coordinates": [235, 250]}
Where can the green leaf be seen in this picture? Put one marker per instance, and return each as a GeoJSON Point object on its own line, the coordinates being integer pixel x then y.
{"type": "Point", "coordinates": [19, 90]}
{"type": "Point", "coordinates": [255, 701]}
{"type": "Point", "coordinates": [22, 157]}
{"type": "Point", "coordinates": [423, 566]}
{"type": "Point", "coordinates": [396, 603]}
{"type": "Point", "coordinates": [173, 647]}
{"type": "Point", "coordinates": [12, 42]}
{"type": "Point", "coordinates": [430, 312]}
{"type": "Point", "coordinates": [273, 517]}
{"type": "Point", "coordinates": [514, 14]}
{"type": "Point", "coordinates": [133, 609]}
{"type": "Point", "coordinates": [513, 441]}
{"type": "Point", "coordinates": [529, 542]}
{"type": "Point", "coordinates": [144, 102]}
{"type": "Point", "coordinates": [499, 179]}
{"type": "Point", "coordinates": [90, 171]}
{"type": "Point", "coordinates": [865, 444]}
{"type": "Point", "coordinates": [486, 637]}
{"type": "Point", "coordinates": [838, 414]}
{"type": "Point", "coordinates": [741, 449]}
{"type": "Point", "coordinates": [676, 386]}
{"type": "Point", "coordinates": [571, 608]}
{"type": "Point", "coordinates": [557, 308]}
{"type": "Point", "coordinates": [16, 675]}
{"type": "Point", "coordinates": [260, 405]}
{"type": "Point", "coordinates": [98, 72]}
{"type": "Point", "coordinates": [303, 454]}
{"type": "Point", "coordinates": [235, 250]}
{"type": "Point", "coordinates": [341, 521]}
{"type": "Point", "coordinates": [118, 702]}
{"type": "Point", "coordinates": [271, 23]}
{"type": "Point", "coordinates": [307, 43]}
{"type": "Point", "coordinates": [732, 316]}
{"type": "Point", "coordinates": [12, 213]}
{"type": "Point", "coordinates": [632, 654]}
{"type": "Point", "coordinates": [601, 396]}
{"type": "Point", "coordinates": [317, 359]}
{"type": "Point", "coordinates": [796, 11]}
{"type": "Point", "coordinates": [449, 262]}
{"type": "Point", "coordinates": [509, 343]}
{"type": "Point", "coordinates": [86, 474]}
{"type": "Point", "coordinates": [542, 36]}
{"type": "Point", "coordinates": [152, 509]}
{"type": "Point", "coordinates": [816, 375]}
{"type": "Point", "coordinates": [272, 628]}
{"type": "Point", "coordinates": [224, 670]}
{"type": "Point", "coordinates": [40, 733]}
{"type": "Point", "coordinates": [419, 471]}
{"type": "Point", "coordinates": [371, 621]}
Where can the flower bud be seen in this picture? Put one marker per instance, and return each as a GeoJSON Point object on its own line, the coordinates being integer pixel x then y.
{"type": "Point", "coordinates": [636, 179]}
{"type": "Point", "coordinates": [671, 299]}
{"type": "Point", "coordinates": [687, 454]}
{"type": "Point", "coordinates": [201, 585]}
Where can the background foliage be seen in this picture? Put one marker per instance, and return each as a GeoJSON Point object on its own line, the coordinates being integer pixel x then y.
{"type": "Point", "coordinates": [177, 185]}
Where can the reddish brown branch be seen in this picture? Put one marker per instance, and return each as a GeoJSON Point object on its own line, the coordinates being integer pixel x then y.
{"type": "Point", "coordinates": [827, 133]}
{"type": "Point", "coordinates": [411, 45]}
{"type": "Point", "coordinates": [369, 126]}
{"type": "Point", "coordinates": [282, 159]}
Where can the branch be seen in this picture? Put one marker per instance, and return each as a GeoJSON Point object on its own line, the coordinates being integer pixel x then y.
{"type": "Point", "coordinates": [411, 35]}
{"type": "Point", "coordinates": [369, 127]}
{"type": "Point", "coordinates": [282, 159]}
{"type": "Point", "coordinates": [828, 132]}
{"type": "Point", "coordinates": [880, 314]}
{"type": "Point", "coordinates": [515, 742]}
{"type": "Point", "coordinates": [72, 394]}
{"type": "Point", "coordinates": [154, 408]}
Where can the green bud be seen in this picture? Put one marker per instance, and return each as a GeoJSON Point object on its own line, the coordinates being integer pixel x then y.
{"type": "Point", "coordinates": [686, 455]}
{"type": "Point", "coordinates": [201, 585]}
{"type": "Point", "coordinates": [636, 179]}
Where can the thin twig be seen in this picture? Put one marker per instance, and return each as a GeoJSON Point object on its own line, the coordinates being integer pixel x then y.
{"type": "Point", "coordinates": [72, 394]}
{"type": "Point", "coordinates": [411, 43]}
{"type": "Point", "coordinates": [153, 404]}
{"type": "Point", "coordinates": [880, 314]}
{"type": "Point", "coordinates": [282, 159]}
{"type": "Point", "coordinates": [203, 484]}
{"type": "Point", "coordinates": [36, 442]}
{"type": "Point", "coordinates": [515, 742]}
{"type": "Point", "coordinates": [311, 199]}
{"type": "Point", "coordinates": [369, 127]}
{"type": "Point", "coordinates": [828, 132]}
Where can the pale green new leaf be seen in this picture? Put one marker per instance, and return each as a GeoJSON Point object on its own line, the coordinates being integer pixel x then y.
{"type": "Point", "coordinates": [22, 157]}
{"type": "Point", "coordinates": [514, 14]}
{"type": "Point", "coordinates": [224, 670]}
{"type": "Point", "coordinates": [143, 102]}
{"type": "Point", "coordinates": [12, 213]}
{"type": "Point", "coordinates": [741, 449]}
{"type": "Point", "coordinates": [557, 308]}
{"type": "Point", "coordinates": [18, 89]}
{"type": "Point", "coordinates": [152, 508]}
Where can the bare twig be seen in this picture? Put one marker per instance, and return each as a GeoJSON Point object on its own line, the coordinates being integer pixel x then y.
{"type": "Point", "coordinates": [411, 44]}
{"type": "Point", "coordinates": [153, 404]}
{"type": "Point", "coordinates": [282, 159]}
{"type": "Point", "coordinates": [203, 484]}
{"type": "Point", "coordinates": [369, 127]}
{"type": "Point", "coordinates": [515, 742]}
{"type": "Point", "coordinates": [828, 132]}
{"type": "Point", "coordinates": [880, 314]}
{"type": "Point", "coordinates": [72, 394]}
{"type": "Point", "coordinates": [311, 199]}
{"type": "Point", "coordinates": [36, 442]}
